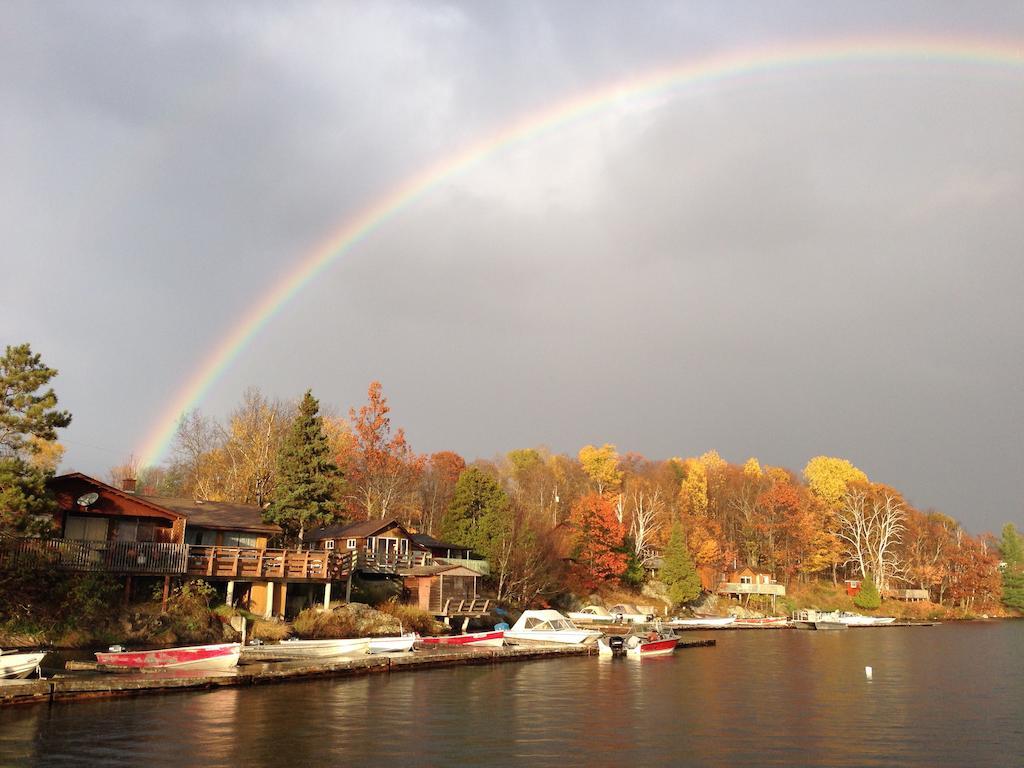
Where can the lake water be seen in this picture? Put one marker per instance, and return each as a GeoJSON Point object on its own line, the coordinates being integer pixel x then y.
{"type": "Point", "coordinates": [944, 695]}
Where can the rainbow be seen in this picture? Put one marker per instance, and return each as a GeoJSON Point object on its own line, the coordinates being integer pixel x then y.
{"type": "Point", "coordinates": [676, 76]}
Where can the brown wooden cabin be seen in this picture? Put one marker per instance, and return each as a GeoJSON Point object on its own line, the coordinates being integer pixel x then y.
{"type": "Point", "coordinates": [744, 582]}
{"type": "Point", "coordinates": [382, 543]}
{"type": "Point", "coordinates": [103, 528]}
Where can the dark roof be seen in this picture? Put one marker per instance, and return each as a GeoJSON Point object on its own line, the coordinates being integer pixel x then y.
{"type": "Point", "coordinates": [426, 540]}
{"type": "Point", "coordinates": [357, 530]}
{"type": "Point", "coordinates": [61, 480]}
{"type": "Point", "coordinates": [218, 515]}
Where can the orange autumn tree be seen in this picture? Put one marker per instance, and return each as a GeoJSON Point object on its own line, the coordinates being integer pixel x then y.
{"type": "Point", "coordinates": [383, 470]}
{"type": "Point", "coordinates": [597, 539]}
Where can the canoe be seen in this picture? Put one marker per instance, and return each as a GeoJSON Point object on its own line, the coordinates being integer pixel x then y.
{"type": "Point", "coordinates": [768, 621]}
{"type": "Point", "coordinates": [308, 649]}
{"type": "Point", "coordinates": [209, 657]}
{"type": "Point", "coordinates": [494, 639]}
{"type": "Point", "coordinates": [396, 644]}
{"type": "Point", "coordinates": [19, 665]}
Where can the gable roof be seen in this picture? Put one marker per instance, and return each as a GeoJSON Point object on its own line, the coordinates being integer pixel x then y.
{"type": "Point", "coordinates": [217, 515]}
{"type": "Point", "coordinates": [357, 530]}
{"type": "Point", "coordinates": [66, 482]}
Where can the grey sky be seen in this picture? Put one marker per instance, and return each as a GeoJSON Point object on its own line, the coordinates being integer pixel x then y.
{"type": "Point", "coordinates": [822, 260]}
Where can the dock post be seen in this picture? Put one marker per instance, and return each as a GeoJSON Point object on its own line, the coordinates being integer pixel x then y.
{"type": "Point", "coordinates": [327, 596]}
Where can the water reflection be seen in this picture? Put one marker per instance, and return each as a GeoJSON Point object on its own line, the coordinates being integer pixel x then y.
{"type": "Point", "coordinates": [950, 695]}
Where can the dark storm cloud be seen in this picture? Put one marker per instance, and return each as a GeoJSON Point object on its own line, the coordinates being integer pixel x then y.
{"type": "Point", "coordinates": [822, 261]}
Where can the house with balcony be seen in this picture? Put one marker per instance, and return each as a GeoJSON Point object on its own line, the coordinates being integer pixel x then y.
{"type": "Point", "coordinates": [439, 577]}
{"type": "Point", "coordinates": [99, 527]}
{"type": "Point", "coordinates": [743, 583]}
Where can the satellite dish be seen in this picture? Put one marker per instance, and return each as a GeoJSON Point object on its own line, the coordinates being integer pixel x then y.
{"type": "Point", "coordinates": [88, 498]}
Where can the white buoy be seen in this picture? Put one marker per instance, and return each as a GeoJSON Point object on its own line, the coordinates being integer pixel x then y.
{"type": "Point", "coordinates": [867, 672]}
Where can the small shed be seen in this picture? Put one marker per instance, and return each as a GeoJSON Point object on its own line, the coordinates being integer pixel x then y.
{"type": "Point", "coordinates": [437, 588]}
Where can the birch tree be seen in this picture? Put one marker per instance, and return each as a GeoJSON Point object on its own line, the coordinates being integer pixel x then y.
{"type": "Point", "coordinates": [871, 525]}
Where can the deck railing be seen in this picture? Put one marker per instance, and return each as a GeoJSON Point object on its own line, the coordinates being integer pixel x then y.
{"type": "Point", "coordinates": [480, 566]}
{"type": "Point", "coordinates": [114, 556]}
{"type": "Point", "coordinates": [737, 588]}
{"type": "Point", "coordinates": [379, 562]}
{"type": "Point", "coordinates": [251, 563]}
{"type": "Point", "coordinates": [455, 606]}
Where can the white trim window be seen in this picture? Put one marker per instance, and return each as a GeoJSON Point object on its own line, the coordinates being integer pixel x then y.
{"type": "Point", "coordinates": [329, 544]}
{"type": "Point", "coordinates": [351, 543]}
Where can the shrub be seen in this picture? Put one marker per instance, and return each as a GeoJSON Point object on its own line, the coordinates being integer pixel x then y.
{"type": "Point", "coordinates": [868, 597]}
{"type": "Point", "coordinates": [261, 629]}
{"type": "Point", "coordinates": [412, 618]}
{"type": "Point", "coordinates": [314, 624]}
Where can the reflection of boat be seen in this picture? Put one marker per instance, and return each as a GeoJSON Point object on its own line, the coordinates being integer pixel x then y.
{"type": "Point", "coordinates": [591, 613]}
{"type": "Point", "coordinates": [395, 644]}
{"type": "Point", "coordinates": [307, 649]}
{"type": "Point", "coordinates": [703, 621]}
{"type": "Point", "coordinates": [19, 665]}
{"type": "Point", "coordinates": [820, 620]}
{"type": "Point", "coordinates": [549, 627]}
{"type": "Point", "coordinates": [221, 656]}
{"type": "Point", "coordinates": [857, 620]}
{"type": "Point", "coordinates": [494, 639]}
{"type": "Point", "coordinates": [767, 621]}
{"type": "Point", "coordinates": [636, 647]}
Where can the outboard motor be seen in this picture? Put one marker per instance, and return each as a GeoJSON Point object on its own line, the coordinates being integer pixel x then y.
{"type": "Point", "coordinates": [618, 645]}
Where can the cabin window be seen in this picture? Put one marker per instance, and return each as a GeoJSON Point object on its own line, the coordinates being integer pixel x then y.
{"type": "Point", "coordinates": [239, 540]}
{"type": "Point", "coordinates": [351, 544]}
{"type": "Point", "coordinates": [126, 530]}
{"type": "Point", "coordinates": [329, 544]}
{"type": "Point", "coordinates": [371, 544]}
{"type": "Point", "coordinates": [403, 546]}
{"type": "Point", "coordinates": [201, 538]}
{"type": "Point", "coordinates": [86, 528]}
{"type": "Point", "coordinates": [745, 580]}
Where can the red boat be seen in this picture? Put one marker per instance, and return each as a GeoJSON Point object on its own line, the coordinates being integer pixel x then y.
{"type": "Point", "coordinates": [222, 656]}
{"type": "Point", "coordinates": [494, 639]}
{"type": "Point", "coordinates": [636, 646]}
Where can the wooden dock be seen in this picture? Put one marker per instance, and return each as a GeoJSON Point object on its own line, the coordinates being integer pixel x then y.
{"type": "Point", "coordinates": [95, 684]}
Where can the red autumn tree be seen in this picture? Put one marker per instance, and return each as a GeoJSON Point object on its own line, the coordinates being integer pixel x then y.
{"type": "Point", "coordinates": [597, 541]}
{"type": "Point", "coordinates": [437, 486]}
{"type": "Point", "coordinates": [384, 470]}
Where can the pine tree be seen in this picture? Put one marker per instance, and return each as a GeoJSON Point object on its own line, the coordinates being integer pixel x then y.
{"type": "Point", "coordinates": [479, 512]}
{"type": "Point", "coordinates": [868, 597]}
{"type": "Point", "coordinates": [678, 571]}
{"type": "Point", "coordinates": [29, 420]}
{"type": "Point", "coordinates": [308, 480]}
{"type": "Point", "coordinates": [1011, 548]}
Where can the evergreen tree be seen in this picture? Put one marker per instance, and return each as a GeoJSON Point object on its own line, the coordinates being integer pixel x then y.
{"type": "Point", "coordinates": [29, 421]}
{"type": "Point", "coordinates": [1011, 548]}
{"type": "Point", "coordinates": [868, 597]}
{"type": "Point", "coordinates": [678, 571]}
{"type": "Point", "coordinates": [308, 480]}
{"type": "Point", "coordinates": [479, 513]}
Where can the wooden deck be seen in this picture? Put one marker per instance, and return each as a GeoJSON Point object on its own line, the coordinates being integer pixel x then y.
{"type": "Point", "coordinates": [134, 557]}
{"type": "Point", "coordinates": [242, 563]}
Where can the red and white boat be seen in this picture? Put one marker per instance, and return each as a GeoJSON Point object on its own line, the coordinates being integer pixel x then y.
{"type": "Point", "coordinates": [209, 657]}
{"type": "Point", "coordinates": [494, 639]}
{"type": "Point", "coordinates": [636, 647]}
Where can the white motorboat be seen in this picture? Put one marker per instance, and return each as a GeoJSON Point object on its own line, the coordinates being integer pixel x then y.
{"type": "Point", "coordinates": [549, 627]}
{"type": "Point", "coordinates": [396, 644]}
{"type": "Point", "coordinates": [858, 620]}
{"type": "Point", "coordinates": [591, 613]}
{"type": "Point", "coordinates": [308, 649]}
{"type": "Point", "coordinates": [702, 622]}
{"type": "Point", "coordinates": [19, 665]}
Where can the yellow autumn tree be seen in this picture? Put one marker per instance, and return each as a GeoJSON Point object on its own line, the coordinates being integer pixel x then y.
{"type": "Point", "coordinates": [752, 469]}
{"type": "Point", "coordinates": [602, 467]}
{"type": "Point", "coordinates": [829, 478]}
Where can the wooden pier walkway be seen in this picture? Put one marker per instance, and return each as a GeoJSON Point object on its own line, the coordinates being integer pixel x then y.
{"type": "Point", "coordinates": [90, 685]}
